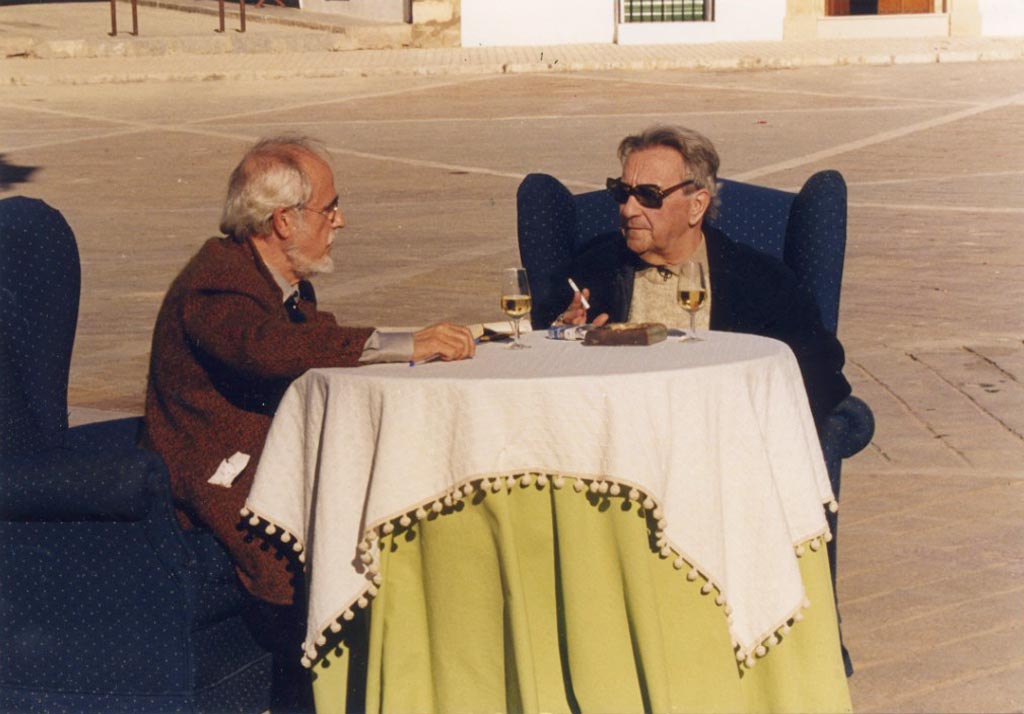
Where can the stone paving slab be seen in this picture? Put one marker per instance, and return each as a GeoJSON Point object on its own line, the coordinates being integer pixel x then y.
{"type": "Point", "coordinates": [934, 579]}
{"type": "Point", "coordinates": [961, 431]}
{"type": "Point", "coordinates": [994, 391]}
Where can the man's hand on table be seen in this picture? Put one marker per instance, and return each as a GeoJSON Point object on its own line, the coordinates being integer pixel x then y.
{"type": "Point", "coordinates": [450, 342]}
{"type": "Point", "coordinates": [576, 314]}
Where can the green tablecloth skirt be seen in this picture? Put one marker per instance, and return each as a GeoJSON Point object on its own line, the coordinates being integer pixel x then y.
{"type": "Point", "coordinates": [544, 600]}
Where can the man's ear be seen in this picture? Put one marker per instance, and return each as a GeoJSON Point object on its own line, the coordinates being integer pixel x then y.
{"type": "Point", "coordinates": [699, 203]}
{"type": "Point", "coordinates": [283, 222]}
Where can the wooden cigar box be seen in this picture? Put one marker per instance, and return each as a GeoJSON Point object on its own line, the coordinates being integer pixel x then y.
{"type": "Point", "coordinates": [626, 333]}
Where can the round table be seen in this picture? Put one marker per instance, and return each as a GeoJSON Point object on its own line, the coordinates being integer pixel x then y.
{"type": "Point", "coordinates": [572, 463]}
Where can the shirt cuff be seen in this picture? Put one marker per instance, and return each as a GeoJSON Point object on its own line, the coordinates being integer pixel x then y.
{"type": "Point", "coordinates": [387, 347]}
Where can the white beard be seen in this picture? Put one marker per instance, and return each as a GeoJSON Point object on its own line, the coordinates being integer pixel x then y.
{"type": "Point", "coordinates": [306, 268]}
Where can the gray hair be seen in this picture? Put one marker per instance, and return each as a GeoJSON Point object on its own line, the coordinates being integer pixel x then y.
{"type": "Point", "coordinates": [696, 149]}
{"type": "Point", "coordinates": [269, 176]}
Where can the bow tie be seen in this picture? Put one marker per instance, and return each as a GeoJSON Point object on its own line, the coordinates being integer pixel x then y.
{"type": "Point", "coordinates": [306, 291]}
{"type": "Point", "coordinates": [658, 273]}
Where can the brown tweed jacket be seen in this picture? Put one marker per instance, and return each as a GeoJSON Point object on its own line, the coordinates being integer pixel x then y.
{"type": "Point", "coordinates": [224, 350]}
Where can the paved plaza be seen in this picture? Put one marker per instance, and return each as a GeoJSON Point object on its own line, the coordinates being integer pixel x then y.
{"type": "Point", "coordinates": [931, 540]}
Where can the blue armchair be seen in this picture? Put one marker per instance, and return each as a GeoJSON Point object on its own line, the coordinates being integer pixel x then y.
{"type": "Point", "coordinates": [106, 604]}
{"type": "Point", "coordinates": [806, 230]}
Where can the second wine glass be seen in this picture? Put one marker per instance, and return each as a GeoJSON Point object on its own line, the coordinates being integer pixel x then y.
{"type": "Point", "coordinates": [515, 300]}
{"type": "Point", "coordinates": [692, 293]}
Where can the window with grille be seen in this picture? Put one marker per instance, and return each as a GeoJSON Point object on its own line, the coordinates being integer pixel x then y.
{"type": "Point", "coordinates": [667, 10]}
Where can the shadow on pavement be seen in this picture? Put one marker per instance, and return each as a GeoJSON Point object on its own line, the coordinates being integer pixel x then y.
{"type": "Point", "coordinates": [11, 174]}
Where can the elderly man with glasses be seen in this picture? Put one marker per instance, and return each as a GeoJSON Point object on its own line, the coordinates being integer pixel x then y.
{"type": "Point", "coordinates": [237, 325]}
{"type": "Point", "coordinates": [668, 186]}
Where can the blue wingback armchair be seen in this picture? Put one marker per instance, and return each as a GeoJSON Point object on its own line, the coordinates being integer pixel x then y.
{"type": "Point", "coordinates": [106, 605]}
{"type": "Point", "coordinates": [806, 230]}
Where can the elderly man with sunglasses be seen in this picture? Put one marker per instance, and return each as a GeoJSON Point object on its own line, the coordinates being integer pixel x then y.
{"type": "Point", "coordinates": [668, 186]}
{"type": "Point", "coordinates": [237, 325]}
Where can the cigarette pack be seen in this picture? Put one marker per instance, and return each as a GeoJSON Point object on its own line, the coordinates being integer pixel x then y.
{"type": "Point", "coordinates": [568, 332]}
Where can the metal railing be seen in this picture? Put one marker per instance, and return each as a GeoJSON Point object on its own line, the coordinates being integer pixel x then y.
{"type": "Point", "coordinates": [113, 18]}
{"type": "Point", "coordinates": [135, 15]}
{"type": "Point", "coordinates": [667, 10]}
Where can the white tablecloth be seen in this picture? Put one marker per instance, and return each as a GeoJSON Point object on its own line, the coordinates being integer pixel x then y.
{"type": "Point", "coordinates": [717, 433]}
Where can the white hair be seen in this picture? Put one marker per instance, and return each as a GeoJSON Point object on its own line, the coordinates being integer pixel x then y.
{"type": "Point", "coordinates": [269, 176]}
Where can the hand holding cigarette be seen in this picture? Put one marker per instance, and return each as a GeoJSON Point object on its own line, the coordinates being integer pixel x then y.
{"type": "Point", "coordinates": [576, 289]}
{"type": "Point", "coordinates": [576, 313]}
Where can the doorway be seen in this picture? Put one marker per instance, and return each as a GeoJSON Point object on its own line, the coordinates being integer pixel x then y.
{"type": "Point", "coordinates": [879, 7]}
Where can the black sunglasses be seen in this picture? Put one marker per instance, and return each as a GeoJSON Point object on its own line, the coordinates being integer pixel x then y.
{"type": "Point", "coordinates": [647, 194]}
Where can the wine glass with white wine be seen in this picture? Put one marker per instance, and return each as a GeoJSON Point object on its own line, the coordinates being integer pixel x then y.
{"type": "Point", "coordinates": [692, 293]}
{"type": "Point", "coordinates": [515, 300]}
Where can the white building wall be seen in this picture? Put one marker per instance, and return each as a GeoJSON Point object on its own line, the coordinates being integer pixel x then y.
{"type": "Point", "coordinates": [537, 22]}
{"type": "Point", "coordinates": [1001, 17]}
{"type": "Point", "coordinates": [564, 22]}
{"type": "Point", "coordinates": [735, 21]}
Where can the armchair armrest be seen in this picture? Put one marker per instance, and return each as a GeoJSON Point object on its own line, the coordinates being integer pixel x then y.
{"type": "Point", "coordinates": [66, 485]}
{"type": "Point", "coordinates": [848, 429]}
{"type": "Point", "coordinates": [114, 435]}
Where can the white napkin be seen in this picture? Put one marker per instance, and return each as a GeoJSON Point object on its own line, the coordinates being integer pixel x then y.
{"type": "Point", "coordinates": [229, 469]}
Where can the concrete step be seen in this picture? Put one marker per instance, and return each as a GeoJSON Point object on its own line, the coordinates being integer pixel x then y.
{"type": "Point", "coordinates": [229, 42]}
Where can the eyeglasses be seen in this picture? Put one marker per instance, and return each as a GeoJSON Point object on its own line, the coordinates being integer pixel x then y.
{"type": "Point", "coordinates": [331, 212]}
{"type": "Point", "coordinates": [647, 194]}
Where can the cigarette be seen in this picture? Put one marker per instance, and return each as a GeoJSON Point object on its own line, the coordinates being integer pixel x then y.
{"type": "Point", "coordinates": [576, 288]}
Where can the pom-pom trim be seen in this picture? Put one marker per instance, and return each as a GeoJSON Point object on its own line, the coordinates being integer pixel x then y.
{"type": "Point", "coordinates": [368, 548]}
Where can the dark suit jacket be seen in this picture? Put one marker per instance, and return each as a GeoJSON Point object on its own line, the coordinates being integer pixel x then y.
{"type": "Point", "coordinates": [750, 292]}
{"type": "Point", "coordinates": [225, 348]}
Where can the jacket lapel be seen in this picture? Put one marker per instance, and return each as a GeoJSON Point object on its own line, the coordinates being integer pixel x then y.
{"type": "Point", "coordinates": [295, 310]}
{"type": "Point", "coordinates": [623, 287]}
{"type": "Point", "coordinates": [719, 277]}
